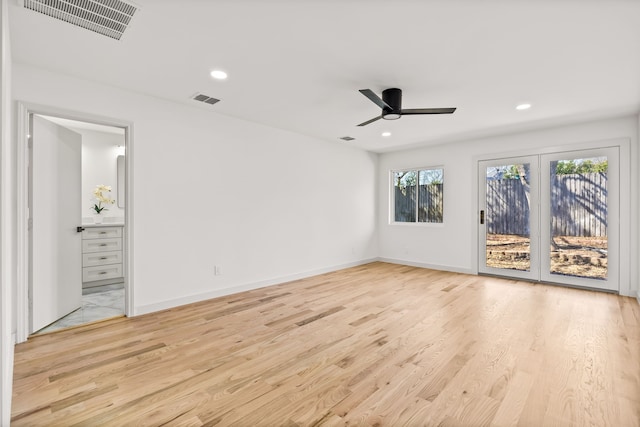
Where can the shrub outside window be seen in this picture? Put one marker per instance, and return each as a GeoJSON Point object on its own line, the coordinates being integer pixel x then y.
{"type": "Point", "coordinates": [417, 195]}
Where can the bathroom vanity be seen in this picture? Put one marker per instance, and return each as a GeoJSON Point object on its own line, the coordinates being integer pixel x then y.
{"type": "Point", "coordinates": [102, 254]}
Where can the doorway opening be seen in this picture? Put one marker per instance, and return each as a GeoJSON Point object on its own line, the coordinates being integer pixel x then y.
{"type": "Point", "coordinates": [101, 287]}
{"type": "Point", "coordinates": [552, 218]}
{"type": "Point", "coordinates": [74, 249]}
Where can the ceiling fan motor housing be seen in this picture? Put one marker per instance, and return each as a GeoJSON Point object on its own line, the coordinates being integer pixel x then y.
{"type": "Point", "coordinates": [393, 98]}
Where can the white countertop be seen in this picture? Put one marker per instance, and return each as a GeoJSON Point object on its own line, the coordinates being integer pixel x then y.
{"type": "Point", "coordinates": [104, 224]}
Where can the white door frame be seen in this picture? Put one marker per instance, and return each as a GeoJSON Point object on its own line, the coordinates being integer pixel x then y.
{"type": "Point", "coordinates": [624, 146]}
{"type": "Point", "coordinates": [22, 134]}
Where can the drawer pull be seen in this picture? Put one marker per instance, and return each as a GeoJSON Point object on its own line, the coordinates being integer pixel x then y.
{"type": "Point", "coordinates": [103, 232]}
{"type": "Point", "coordinates": [103, 272]}
{"type": "Point", "coordinates": [103, 257]}
{"type": "Point", "coordinates": [103, 244]}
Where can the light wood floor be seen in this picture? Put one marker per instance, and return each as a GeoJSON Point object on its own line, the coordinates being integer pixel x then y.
{"type": "Point", "coordinates": [380, 344]}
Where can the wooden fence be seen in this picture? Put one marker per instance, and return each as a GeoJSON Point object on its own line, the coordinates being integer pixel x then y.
{"type": "Point", "coordinates": [578, 206]}
{"type": "Point", "coordinates": [507, 207]}
{"type": "Point", "coordinates": [430, 207]}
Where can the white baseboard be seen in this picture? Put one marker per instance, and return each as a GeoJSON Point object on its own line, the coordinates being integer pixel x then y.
{"type": "Point", "coordinates": [425, 265]}
{"type": "Point", "coordinates": [460, 270]}
{"type": "Point", "coordinates": [189, 299]}
{"type": "Point", "coordinates": [630, 293]}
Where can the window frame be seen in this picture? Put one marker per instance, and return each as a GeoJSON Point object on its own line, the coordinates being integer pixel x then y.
{"type": "Point", "coordinates": [392, 197]}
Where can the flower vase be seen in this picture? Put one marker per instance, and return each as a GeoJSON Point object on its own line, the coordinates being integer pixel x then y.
{"type": "Point", "coordinates": [97, 218]}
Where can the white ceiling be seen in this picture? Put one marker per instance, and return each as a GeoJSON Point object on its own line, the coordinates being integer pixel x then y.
{"type": "Point", "coordinates": [298, 64]}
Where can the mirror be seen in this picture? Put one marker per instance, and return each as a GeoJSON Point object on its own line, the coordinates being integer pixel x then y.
{"type": "Point", "coordinates": [121, 187]}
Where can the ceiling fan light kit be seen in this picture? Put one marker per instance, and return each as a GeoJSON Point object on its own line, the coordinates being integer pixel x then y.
{"type": "Point", "coordinates": [391, 104]}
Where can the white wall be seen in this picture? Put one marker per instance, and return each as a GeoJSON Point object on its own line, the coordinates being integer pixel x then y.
{"type": "Point", "coordinates": [262, 204]}
{"type": "Point", "coordinates": [99, 153]}
{"type": "Point", "coordinates": [452, 245]}
{"type": "Point", "coordinates": [7, 222]}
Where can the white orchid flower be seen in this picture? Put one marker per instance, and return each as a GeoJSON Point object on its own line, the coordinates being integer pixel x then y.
{"type": "Point", "coordinates": [100, 198]}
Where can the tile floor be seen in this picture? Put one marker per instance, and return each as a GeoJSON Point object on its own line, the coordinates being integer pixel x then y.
{"type": "Point", "coordinates": [98, 303]}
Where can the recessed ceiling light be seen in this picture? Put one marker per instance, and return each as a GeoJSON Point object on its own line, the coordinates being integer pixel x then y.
{"type": "Point", "coordinates": [218, 74]}
{"type": "Point", "coordinates": [385, 134]}
{"type": "Point", "coordinates": [523, 107]}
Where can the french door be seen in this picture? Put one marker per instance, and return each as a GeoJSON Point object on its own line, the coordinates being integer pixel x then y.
{"type": "Point", "coordinates": [509, 217]}
{"type": "Point", "coordinates": [551, 217]}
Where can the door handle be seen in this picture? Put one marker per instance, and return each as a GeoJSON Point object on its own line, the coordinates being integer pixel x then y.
{"type": "Point", "coordinates": [482, 217]}
{"type": "Point", "coordinates": [79, 229]}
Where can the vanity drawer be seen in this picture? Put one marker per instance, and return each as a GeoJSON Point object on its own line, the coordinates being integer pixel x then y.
{"type": "Point", "coordinates": [101, 245]}
{"type": "Point", "coordinates": [101, 232]}
{"type": "Point", "coordinates": [101, 258]}
{"type": "Point", "coordinates": [101, 272]}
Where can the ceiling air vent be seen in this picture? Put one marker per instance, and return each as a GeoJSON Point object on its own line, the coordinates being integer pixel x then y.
{"type": "Point", "coordinates": [347, 138]}
{"type": "Point", "coordinates": [107, 17]}
{"type": "Point", "coordinates": [204, 98]}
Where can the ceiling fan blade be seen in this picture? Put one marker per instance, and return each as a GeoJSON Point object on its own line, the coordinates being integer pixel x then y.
{"type": "Point", "coordinates": [375, 98]}
{"type": "Point", "coordinates": [428, 111]}
{"type": "Point", "coordinates": [370, 121]}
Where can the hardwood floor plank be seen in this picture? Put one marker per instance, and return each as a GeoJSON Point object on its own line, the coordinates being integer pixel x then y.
{"type": "Point", "coordinates": [319, 316]}
{"type": "Point", "coordinates": [516, 395]}
{"type": "Point", "coordinates": [379, 344]}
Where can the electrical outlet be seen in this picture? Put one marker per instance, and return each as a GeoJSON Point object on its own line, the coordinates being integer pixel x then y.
{"type": "Point", "coordinates": [216, 270]}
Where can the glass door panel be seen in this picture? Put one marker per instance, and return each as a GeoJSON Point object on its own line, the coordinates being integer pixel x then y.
{"type": "Point", "coordinates": [508, 217]}
{"type": "Point", "coordinates": [578, 193]}
{"type": "Point", "coordinates": [579, 208]}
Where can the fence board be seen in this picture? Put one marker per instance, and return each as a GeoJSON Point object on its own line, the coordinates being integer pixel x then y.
{"type": "Point", "coordinates": [578, 206]}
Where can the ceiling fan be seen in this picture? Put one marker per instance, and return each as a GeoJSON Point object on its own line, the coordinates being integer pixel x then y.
{"type": "Point", "coordinates": [391, 104]}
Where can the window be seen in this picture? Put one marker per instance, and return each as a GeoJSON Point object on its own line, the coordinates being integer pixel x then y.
{"type": "Point", "coordinates": [417, 195]}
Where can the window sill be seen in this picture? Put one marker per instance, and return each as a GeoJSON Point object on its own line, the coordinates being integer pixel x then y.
{"type": "Point", "coordinates": [417, 224]}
